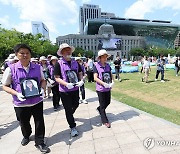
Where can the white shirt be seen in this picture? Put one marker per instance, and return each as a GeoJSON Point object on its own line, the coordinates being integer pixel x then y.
{"type": "Point", "coordinates": [146, 64]}
{"type": "Point", "coordinates": [6, 79]}
{"type": "Point", "coordinates": [90, 63]}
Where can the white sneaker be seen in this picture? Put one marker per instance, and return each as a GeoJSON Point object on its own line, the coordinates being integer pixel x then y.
{"type": "Point", "coordinates": [176, 75]}
{"type": "Point", "coordinates": [162, 81]}
{"type": "Point", "coordinates": [120, 80]}
{"type": "Point", "coordinates": [155, 80]}
{"type": "Point", "coordinates": [84, 101]}
{"type": "Point", "coordinates": [74, 132]}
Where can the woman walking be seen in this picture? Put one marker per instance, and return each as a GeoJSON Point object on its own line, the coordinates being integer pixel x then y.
{"type": "Point", "coordinates": [104, 82]}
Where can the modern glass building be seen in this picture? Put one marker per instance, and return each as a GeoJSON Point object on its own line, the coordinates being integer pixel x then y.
{"type": "Point", "coordinates": [156, 33]}
{"type": "Point", "coordinates": [40, 27]}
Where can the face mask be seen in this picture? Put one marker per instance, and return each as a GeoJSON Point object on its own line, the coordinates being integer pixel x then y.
{"type": "Point", "coordinates": [68, 56]}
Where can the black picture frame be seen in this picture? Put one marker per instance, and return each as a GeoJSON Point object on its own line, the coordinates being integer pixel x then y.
{"type": "Point", "coordinates": [30, 87]}
{"type": "Point", "coordinates": [106, 77]}
{"type": "Point", "coordinates": [72, 76]}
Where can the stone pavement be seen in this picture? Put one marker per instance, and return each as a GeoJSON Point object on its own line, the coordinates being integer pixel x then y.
{"type": "Point", "coordinates": [130, 127]}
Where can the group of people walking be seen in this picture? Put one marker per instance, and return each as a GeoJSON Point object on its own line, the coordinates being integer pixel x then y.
{"type": "Point", "coordinates": [160, 68]}
{"type": "Point", "coordinates": [66, 76]}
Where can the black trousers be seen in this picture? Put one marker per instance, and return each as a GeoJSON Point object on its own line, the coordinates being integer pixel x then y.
{"type": "Point", "coordinates": [70, 101]}
{"type": "Point", "coordinates": [82, 89]}
{"type": "Point", "coordinates": [24, 114]}
{"type": "Point", "coordinates": [56, 96]}
{"type": "Point", "coordinates": [104, 101]}
{"type": "Point", "coordinates": [90, 76]}
{"type": "Point", "coordinates": [162, 74]}
{"type": "Point", "coordinates": [117, 73]}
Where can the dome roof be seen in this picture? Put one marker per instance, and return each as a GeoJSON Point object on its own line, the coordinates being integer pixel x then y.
{"type": "Point", "coordinates": [106, 29]}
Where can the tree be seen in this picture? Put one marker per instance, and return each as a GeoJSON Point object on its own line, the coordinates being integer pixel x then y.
{"type": "Point", "coordinates": [178, 52]}
{"type": "Point", "coordinates": [39, 46]}
{"type": "Point", "coordinates": [137, 52]}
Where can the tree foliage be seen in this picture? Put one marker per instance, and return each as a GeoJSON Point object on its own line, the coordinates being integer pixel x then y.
{"type": "Point", "coordinates": [79, 52]}
{"type": "Point", "coordinates": [39, 46]}
{"type": "Point", "coordinates": [152, 52]}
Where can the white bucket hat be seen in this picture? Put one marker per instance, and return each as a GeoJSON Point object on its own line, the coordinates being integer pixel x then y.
{"type": "Point", "coordinates": [103, 52]}
{"type": "Point", "coordinates": [10, 60]}
{"type": "Point", "coordinates": [49, 56]}
{"type": "Point", "coordinates": [42, 58]}
{"type": "Point", "coordinates": [78, 58]}
{"type": "Point", "coordinates": [11, 56]}
{"type": "Point", "coordinates": [34, 60]}
{"type": "Point", "coordinates": [54, 58]}
{"type": "Point", "coordinates": [64, 45]}
{"type": "Point", "coordinates": [16, 58]}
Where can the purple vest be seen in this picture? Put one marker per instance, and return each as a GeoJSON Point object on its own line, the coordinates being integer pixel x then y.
{"type": "Point", "coordinates": [51, 72]}
{"type": "Point", "coordinates": [64, 66]}
{"type": "Point", "coordinates": [83, 69]}
{"type": "Point", "coordinates": [18, 72]}
{"type": "Point", "coordinates": [100, 70]}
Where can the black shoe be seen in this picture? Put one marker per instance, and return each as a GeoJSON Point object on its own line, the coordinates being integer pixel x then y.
{"type": "Point", "coordinates": [25, 141]}
{"type": "Point", "coordinates": [43, 148]}
{"type": "Point", "coordinates": [55, 109]}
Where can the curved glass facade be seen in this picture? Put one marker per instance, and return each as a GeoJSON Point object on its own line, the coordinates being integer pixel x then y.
{"type": "Point", "coordinates": [157, 33]}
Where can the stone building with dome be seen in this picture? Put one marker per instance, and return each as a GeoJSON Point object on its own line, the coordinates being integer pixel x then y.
{"type": "Point", "coordinates": [104, 39]}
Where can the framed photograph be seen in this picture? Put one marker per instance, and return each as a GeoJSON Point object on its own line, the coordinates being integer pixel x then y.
{"type": "Point", "coordinates": [30, 87]}
{"type": "Point", "coordinates": [106, 76]}
{"type": "Point", "coordinates": [72, 76]}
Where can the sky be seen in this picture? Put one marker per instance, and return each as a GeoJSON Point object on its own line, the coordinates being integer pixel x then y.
{"type": "Point", "coordinates": [62, 16]}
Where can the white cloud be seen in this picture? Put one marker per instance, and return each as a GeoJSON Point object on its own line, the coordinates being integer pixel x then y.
{"type": "Point", "coordinates": [23, 27]}
{"type": "Point", "coordinates": [4, 21]}
{"type": "Point", "coordinates": [142, 7]}
{"type": "Point", "coordinates": [86, 1]}
{"type": "Point", "coordinates": [53, 13]}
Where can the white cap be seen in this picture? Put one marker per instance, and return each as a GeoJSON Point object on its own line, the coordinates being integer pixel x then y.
{"type": "Point", "coordinates": [11, 56]}
{"type": "Point", "coordinates": [42, 58]}
{"type": "Point", "coordinates": [10, 59]}
{"type": "Point", "coordinates": [34, 60]}
{"type": "Point", "coordinates": [16, 58]}
{"type": "Point", "coordinates": [54, 58]}
{"type": "Point", "coordinates": [49, 56]}
{"type": "Point", "coordinates": [78, 58]}
{"type": "Point", "coordinates": [64, 45]}
{"type": "Point", "coordinates": [103, 52]}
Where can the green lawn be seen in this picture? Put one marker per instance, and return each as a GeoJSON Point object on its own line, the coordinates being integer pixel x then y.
{"type": "Point", "coordinates": [159, 99]}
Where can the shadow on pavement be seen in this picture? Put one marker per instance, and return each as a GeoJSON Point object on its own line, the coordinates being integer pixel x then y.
{"type": "Point", "coordinates": [126, 115]}
{"type": "Point", "coordinates": [8, 127]}
{"type": "Point", "coordinates": [87, 125]}
{"type": "Point", "coordinates": [93, 99]}
{"type": "Point", "coordinates": [63, 136]}
{"type": "Point", "coordinates": [51, 110]}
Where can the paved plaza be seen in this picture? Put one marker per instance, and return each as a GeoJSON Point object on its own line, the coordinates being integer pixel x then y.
{"type": "Point", "coordinates": [132, 131]}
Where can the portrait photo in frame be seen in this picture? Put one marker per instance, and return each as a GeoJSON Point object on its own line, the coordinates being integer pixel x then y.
{"type": "Point", "coordinates": [72, 76]}
{"type": "Point", "coordinates": [107, 78]}
{"type": "Point", "coordinates": [30, 87]}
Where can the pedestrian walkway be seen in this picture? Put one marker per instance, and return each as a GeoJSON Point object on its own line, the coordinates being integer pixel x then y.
{"type": "Point", "coordinates": [132, 131]}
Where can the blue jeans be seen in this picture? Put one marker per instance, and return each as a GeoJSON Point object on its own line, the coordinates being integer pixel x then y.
{"type": "Point", "coordinates": [117, 73]}
{"type": "Point", "coordinates": [162, 74]}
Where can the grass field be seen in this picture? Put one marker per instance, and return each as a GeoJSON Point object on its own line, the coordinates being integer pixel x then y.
{"type": "Point", "coordinates": [159, 99]}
